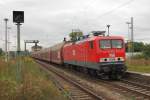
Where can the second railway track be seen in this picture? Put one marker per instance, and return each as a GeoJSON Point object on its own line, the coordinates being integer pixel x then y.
{"type": "Point", "coordinates": [139, 91]}
{"type": "Point", "coordinates": [143, 91]}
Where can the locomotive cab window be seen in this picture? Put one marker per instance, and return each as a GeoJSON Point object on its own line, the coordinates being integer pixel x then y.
{"type": "Point", "coordinates": [91, 44]}
{"type": "Point", "coordinates": [105, 44]}
{"type": "Point", "coordinates": [117, 44]}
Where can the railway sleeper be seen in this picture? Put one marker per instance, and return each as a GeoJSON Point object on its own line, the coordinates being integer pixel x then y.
{"type": "Point", "coordinates": [146, 92]}
{"type": "Point", "coordinates": [80, 94]}
{"type": "Point", "coordinates": [82, 98]}
{"type": "Point", "coordinates": [74, 90]}
{"type": "Point", "coordinates": [142, 90]}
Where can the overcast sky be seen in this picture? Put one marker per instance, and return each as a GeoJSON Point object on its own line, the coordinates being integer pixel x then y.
{"type": "Point", "coordinates": [51, 20]}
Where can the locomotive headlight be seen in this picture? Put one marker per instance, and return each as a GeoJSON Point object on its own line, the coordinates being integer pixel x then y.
{"type": "Point", "coordinates": [104, 59]}
{"type": "Point", "coordinates": [107, 59]}
{"type": "Point", "coordinates": [119, 59]}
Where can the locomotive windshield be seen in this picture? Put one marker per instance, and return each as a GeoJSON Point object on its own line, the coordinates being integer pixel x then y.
{"type": "Point", "coordinates": [107, 44]}
{"type": "Point", "coordinates": [116, 43]}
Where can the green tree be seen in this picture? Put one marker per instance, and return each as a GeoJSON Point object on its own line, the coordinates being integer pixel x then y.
{"type": "Point", "coordinates": [75, 35]}
{"type": "Point", "coordinates": [138, 46]}
{"type": "Point", "coordinates": [1, 51]}
{"type": "Point", "coordinates": [146, 51]}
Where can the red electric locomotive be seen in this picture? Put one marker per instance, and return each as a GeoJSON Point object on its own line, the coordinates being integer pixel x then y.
{"type": "Point", "coordinates": [96, 54]}
{"type": "Point", "coordinates": [102, 55]}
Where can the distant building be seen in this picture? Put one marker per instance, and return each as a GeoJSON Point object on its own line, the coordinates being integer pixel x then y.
{"type": "Point", "coordinates": [36, 48]}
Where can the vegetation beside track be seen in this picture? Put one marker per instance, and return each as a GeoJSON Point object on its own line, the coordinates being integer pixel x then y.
{"type": "Point", "coordinates": [33, 84]}
{"type": "Point", "coordinates": [140, 62]}
{"type": "Point", "coordinates": [139, 65]}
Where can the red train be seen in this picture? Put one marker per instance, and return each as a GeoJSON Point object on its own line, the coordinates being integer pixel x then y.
{"type": "Point", "coordinates": [97, 55]}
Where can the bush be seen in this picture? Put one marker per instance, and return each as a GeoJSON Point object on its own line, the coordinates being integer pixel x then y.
{"type": "Point", "coordinates": [8, 90]}
{"type": "Point", "coordinates": [34, 83]}
{"type": "Point", "coordinates": [138, 56]}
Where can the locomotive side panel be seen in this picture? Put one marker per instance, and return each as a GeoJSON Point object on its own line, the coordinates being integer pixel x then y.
{"type": "Point", "coordinates": [80, 54]}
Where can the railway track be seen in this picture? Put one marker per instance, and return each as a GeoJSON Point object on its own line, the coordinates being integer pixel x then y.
{"type": "Point", "coordinates": [76, 91]}
{"type": "Point", "coordinates": [138, 78]}
{"type": "Point", "coordinates": [142, 91]}
{"type": "Point", "coordinates": [137, 90]}
{"type": "Point", "coordinates": [79, 92]}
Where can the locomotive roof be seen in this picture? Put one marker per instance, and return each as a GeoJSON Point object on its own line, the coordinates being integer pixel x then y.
{"type": "Point", "coordinates": [105, 37]}
{"type": "Point", "coordinates": [59, 45]}
{"type": "Point", "coordinates": [101, 37]}
{"type": "Point", "coordinates": [95, 38]}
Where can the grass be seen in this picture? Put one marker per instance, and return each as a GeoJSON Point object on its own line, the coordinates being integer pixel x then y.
{"type": "Point", "coordinates": [139, 65]}
{"type": "Point", "coordinates": [33, 84]}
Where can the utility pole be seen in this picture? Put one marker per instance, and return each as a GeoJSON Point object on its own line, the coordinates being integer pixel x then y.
{"type": "Point", "coordinates": [129, 39]}
{"type": "Point", "coordinates": [132, 36]}
{"type": "Point", "coordinates": [128, 23]}
{"type": "Point", "coordinates": [108, 26]}
{"type": "Point", "coordinates": [6, 53]}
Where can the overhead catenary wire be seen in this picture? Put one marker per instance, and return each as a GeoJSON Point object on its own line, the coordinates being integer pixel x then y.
{"type": "Point", "coordinates": [85, 9]}
{"type": "Point", "coordinates": [116, 8]}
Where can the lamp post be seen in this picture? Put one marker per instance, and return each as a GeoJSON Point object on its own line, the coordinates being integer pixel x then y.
{"type": "Point", "coordinates": [108, 26]}
{"type": "Point", "coordinates": [9, 42]}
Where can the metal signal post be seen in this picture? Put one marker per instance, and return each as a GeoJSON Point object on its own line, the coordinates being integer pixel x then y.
{"type": "Point", "coordinates": [19, 77]}
{"type": "Point", "coordinates": [18, 17]}
{"type": "Point", "coordinates": [18, 37]}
